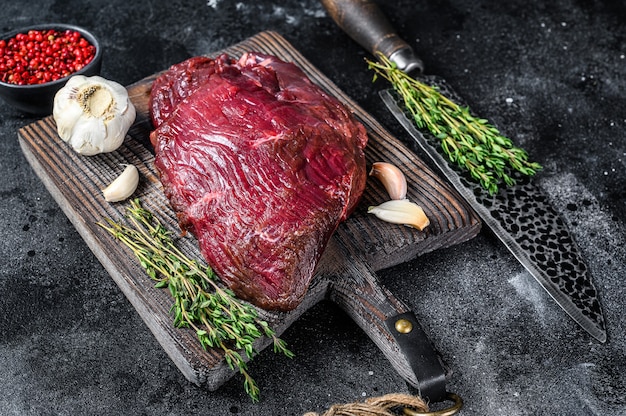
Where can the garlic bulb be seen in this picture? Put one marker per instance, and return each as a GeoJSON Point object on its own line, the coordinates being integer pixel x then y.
{"type": "Point", "coordinates": [93, 114]}
{"type": "Point", "coordinates": [123, 186]}
{"type": "Point", "coordinates": [401, 211]}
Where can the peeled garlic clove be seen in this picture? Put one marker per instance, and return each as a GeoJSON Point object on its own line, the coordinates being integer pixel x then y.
{"type": "Point", "coordinates": [93, 114]}
{"type": "Point", "coordinates": [123, 186]}
{"type": "Point", "coordinates": [401, 211]}
{"type": "Point", "coordinates": [392, 179]}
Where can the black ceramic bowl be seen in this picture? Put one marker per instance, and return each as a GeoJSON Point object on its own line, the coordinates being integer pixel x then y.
{"type": "Point", "coordinates": [38, 98]}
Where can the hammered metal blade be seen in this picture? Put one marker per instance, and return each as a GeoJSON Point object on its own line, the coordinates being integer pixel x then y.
{"type": "Point", "coordinates": [522, 218]}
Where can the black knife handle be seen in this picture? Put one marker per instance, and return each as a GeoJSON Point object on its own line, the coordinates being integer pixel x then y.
{"type": "Point", "coordinates": [364, 22]}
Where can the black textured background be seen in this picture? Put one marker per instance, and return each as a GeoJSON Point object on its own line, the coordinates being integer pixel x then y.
{"type": "Point", "coordinates": [551, 75]}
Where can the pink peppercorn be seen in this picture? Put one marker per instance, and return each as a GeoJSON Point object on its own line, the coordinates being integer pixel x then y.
{"type": "Point", "coordinates": [40, 56]}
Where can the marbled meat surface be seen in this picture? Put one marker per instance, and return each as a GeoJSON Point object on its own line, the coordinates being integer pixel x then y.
{"type": "Point", "coordinates": [260, 164]}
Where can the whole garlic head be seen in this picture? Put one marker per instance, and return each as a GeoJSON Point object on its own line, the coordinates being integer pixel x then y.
{"type": "Point", "coordinates": [93, 114]}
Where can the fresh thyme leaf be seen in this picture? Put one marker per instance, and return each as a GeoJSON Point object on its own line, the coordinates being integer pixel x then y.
{"type": "Point", "coordinates": [219, 319]}
{"type": "Point", "coordinates": [470, 142]}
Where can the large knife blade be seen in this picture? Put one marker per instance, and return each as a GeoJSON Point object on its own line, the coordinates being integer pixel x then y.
{"type": "Point", "coordinates": [519, 215]}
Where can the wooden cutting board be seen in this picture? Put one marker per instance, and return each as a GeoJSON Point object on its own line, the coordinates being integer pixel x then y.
{"type": "Point", "coordinates": [362, 245]}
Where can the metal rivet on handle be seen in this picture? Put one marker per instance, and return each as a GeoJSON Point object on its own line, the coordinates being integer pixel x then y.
{"type": "Point", "coordinates": [403, 326]}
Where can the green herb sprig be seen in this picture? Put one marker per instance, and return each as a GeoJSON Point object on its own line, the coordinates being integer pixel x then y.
{"type": "Point", "coordinates": [469, 142]}
{"type": "Point", "coordinates": [218, 317]}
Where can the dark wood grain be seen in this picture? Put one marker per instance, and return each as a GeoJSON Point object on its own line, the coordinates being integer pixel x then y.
{"type": "Point", "coordinates": [361, 246]}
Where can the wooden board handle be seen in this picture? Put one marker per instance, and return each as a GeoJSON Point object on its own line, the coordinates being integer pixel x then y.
{"type": "Point", "coordinates": [364, 22]}
{"type": "Point", "coordinates": [387, 320]}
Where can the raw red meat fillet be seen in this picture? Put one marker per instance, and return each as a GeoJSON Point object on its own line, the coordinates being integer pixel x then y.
{"type": "Point", "coordinates": [261, 165]}
{"type": "Point", "coordinates": [178, 83]}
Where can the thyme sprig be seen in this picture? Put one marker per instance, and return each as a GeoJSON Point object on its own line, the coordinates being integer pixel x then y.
{"type": "Point", "coordinates": [470, 142]}
{"type": "Point", "coordinates": [218, 317]}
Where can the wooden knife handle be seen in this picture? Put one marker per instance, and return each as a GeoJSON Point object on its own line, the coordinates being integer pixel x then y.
{"type": "Point", "coordinates": [364, 22]}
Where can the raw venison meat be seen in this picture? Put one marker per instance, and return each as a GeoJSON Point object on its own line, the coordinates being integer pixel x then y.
{"type": "Point", "coordinates": [261, 165]}
{"type": "Point", "coordinates": [178, 83]}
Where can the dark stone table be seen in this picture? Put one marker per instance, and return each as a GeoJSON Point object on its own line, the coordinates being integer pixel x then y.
{"type": "Point", "coordinates": [552, 75]}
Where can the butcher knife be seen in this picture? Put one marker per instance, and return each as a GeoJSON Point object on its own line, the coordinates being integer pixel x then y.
{"type": "Point", "coordinates": [519, 215]}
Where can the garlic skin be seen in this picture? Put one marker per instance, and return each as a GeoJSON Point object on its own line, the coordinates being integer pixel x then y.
{"type": "Point", "coordinates": [93, 114]}
{"type": "Point", "coordinates": [392, 179]}
{"type": "Point", "coordinates": [401, 211]}
{"type": "Point", "coordinates": [123, 186]}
